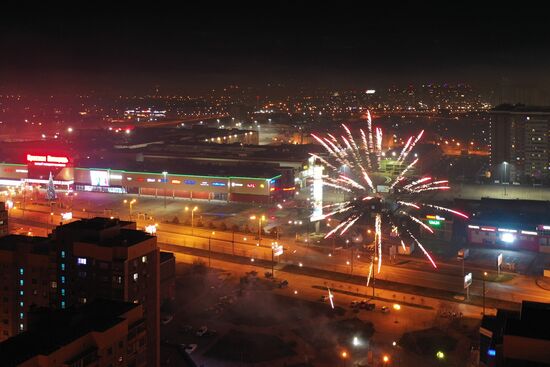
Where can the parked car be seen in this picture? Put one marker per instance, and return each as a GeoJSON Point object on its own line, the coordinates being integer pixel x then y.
{"type": "Point", "coordinates": [283, 284]}
{"type": "Point", "coordinates": [370, 307]}
{"type": "Point", "coordinates": [211, 333]}
{"type": "Point", "coordinates": [385, 309]}
{"type": "Point", "coordinates": [202, 330]}
{"type": "Point", "coordinates": [166, 319]}
{"type": "Point", "coordinates": [189, 348]}
{"type": "Point", "coordinates": [185, 328]}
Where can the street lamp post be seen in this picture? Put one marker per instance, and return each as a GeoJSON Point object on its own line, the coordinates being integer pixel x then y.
{"type": "Point", "coordinates": [484, 277]}
{"type": "Point", "coordinates": [165, 182]}
{"type": "Point", "coordinates": [210, 248]}
{"type": "Point", "coordinates": [260, 219]}
{"type": "Point", "coordinates": [505, 164]}
{"type": "Point", "coordinates": [131, 202]}
{"type": "Point", "coordinates": [192, 215]}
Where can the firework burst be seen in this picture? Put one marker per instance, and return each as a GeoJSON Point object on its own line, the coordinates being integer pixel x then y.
{"type": "Point", "coordinates": [392, 200]}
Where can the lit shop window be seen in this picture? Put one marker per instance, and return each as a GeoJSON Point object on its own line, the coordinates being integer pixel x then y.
{"type": "Point", "coordinates": [81, 261]}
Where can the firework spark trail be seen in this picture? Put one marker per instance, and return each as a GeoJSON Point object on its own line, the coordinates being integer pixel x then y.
{"type": "Point", "coordinates": [378, 238]}
{"type": "Point", "coordinates": [378, 145]}
{"type": "Point", "coordinates": [315, 156]}
{"type": "Point", "coordinates": [403, 245]}
{"type": "Point", "coordinates": [337, 228]}
{"type": "Point", "coordinates": [336, 186]}
{"type": "Point", "coordinates": [352, 141]}
{"type": "Point", "coordinates": [352, 182]}
{"type": "Point", "coordinates": [417, 182]}
{"type": "Point", "coordinates": [408, 204]}
{"type": "Point", "coordinates": [415, 219]}
{"type": "Point", "coordinates": [340, 153]}
{"type": "Point", "coordinates": [412, 145]}
{"type": "Point", "coordinates": [337, 211]}
{"type": "Point", "coordinates": [370, 270]}
{"type": "Point", "coordinates": [416, 188]}
{"type": "Point", "coordinates": [336, 204]}
{"type": "Point", "coordinates": [447, 210]}
{"type": "Point", "coordinates": [350, 224]}
{"type": "Point", "coordinates": [330, 297]}
{"type": "Point", "coordinates": [369, 127]}
{"type": "Point", "coordinates": [404, 150]}
{"type": "Point", "coordinates": [423, 249]}
{"type": "Point", "coordinates": [366, 148]}
{"type": "Point", "coordinates": [402, 174]}
{"type": "Point", "coordinates": [433, 188]}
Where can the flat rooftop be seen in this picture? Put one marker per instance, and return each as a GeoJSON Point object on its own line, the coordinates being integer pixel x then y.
{"type": "Point", "coordinates": [36, 245]}
{"type": "Point", "coordinates": [102, 232]}
{"type": "Point", "coordinates": [54, 329]}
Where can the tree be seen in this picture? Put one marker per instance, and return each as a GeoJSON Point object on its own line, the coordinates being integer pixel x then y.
{"type": "Point", "coordinates": [223, 226]}
{"type": "Point", "coordinates": [50, 190]}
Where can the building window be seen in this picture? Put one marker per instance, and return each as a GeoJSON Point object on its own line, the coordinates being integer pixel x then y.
{"type": "Point", "coordinates": [21, 271]}
{"type": "Point", "coordinates": [81, 261]}
{"type": "Point", "coordinates": [63, 279]}
{"type": "Point", "coordinates": [21, 304]}
{"type": "Point", "coordinates": [54, 284]}
{"type": "Point", "coordinates": [21, 293]}
{"type": "Point", "coordinates": [21, 315]}
{"type": "Point", "coordinates": [144, 259]}
{"type": "Point", "coordinates": [62, 266]}
{"type": "Point", "coordinates": [21, 327]}
{"type": "Point", "coordinates": [21, 282]}
{"type": "Point", "coordinates": [62, 304]}
{"type": "Point", "coordinates": [63, 292]}
{"type": "Point", "coordinates": [135, 277]}
{"type": "Point", "coordinates": [62, 254]}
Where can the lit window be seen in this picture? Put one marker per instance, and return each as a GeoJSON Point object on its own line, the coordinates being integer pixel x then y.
{"type": "Point", "coordinates": [63, 254]}
{"type": "Point", "coordinates": [21, 315]}
{"type": "Point", "coordinates": [62, 304]}
{"type": "Point", "coordinates": [144, 259]}
{"type": "Point", "coordinates": [21, 282]}
{"type": "Point", "coordinates": [21, 271]}
{"type": "Point", "coordinates": [63, 291]}
{"type": "Point", "coordinates": [135, 276]}
{"type": "Point", "coordinates": [63, 279]}
{"type": "Point", "coordinates": [54, 284]}
{"type": "Point", "coordinates": [21, 326]}
{"type": "Point", "coordinates": [21, 293]}
{"type": "Point", "coordinates": [81, 261]}
{"type": "Point", "coordinates": [62, 266]}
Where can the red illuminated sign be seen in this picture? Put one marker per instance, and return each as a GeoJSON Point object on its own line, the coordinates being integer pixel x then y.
{"type": "Point", "coordinates": [47, 160]}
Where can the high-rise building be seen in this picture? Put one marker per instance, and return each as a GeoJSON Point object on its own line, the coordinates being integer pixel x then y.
{"type": "Point", "coordinates": [101, 333]}
{"type": "Point", "coordinates": [26, 280]}
{"type": "Point", "coordinates": [107, 258]}
{"type": "Point", "coordinates": [520, 145]}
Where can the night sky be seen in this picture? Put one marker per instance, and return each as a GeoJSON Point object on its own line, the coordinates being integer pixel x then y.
{"type": "Point", "coordinates": [133, 47]}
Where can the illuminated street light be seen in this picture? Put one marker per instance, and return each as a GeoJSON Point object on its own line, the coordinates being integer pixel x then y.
{"type": "Point", "coordinates": [131, 203]}
{"type": "Point", "coordinates": [164, 173]}
{"type": "Point", "coordinates": [192, 215]}
{"type": "Point", "coordinates": [440, 355]}
{"type": "Point", "coordinates": [385, 358]}
{"type": "Point", "coordinates": [396, 306]}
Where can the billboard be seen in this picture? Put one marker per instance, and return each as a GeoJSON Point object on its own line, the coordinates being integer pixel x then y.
{"type": "Point", "coordinates": [99, 178]}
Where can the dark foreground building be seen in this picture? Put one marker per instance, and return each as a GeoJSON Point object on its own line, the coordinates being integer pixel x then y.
{"type": "Point", "coordinates": [102, 333]}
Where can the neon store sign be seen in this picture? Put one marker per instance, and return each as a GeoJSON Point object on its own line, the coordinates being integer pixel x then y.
{"type": "Point", "coordinates": [47, 160]}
